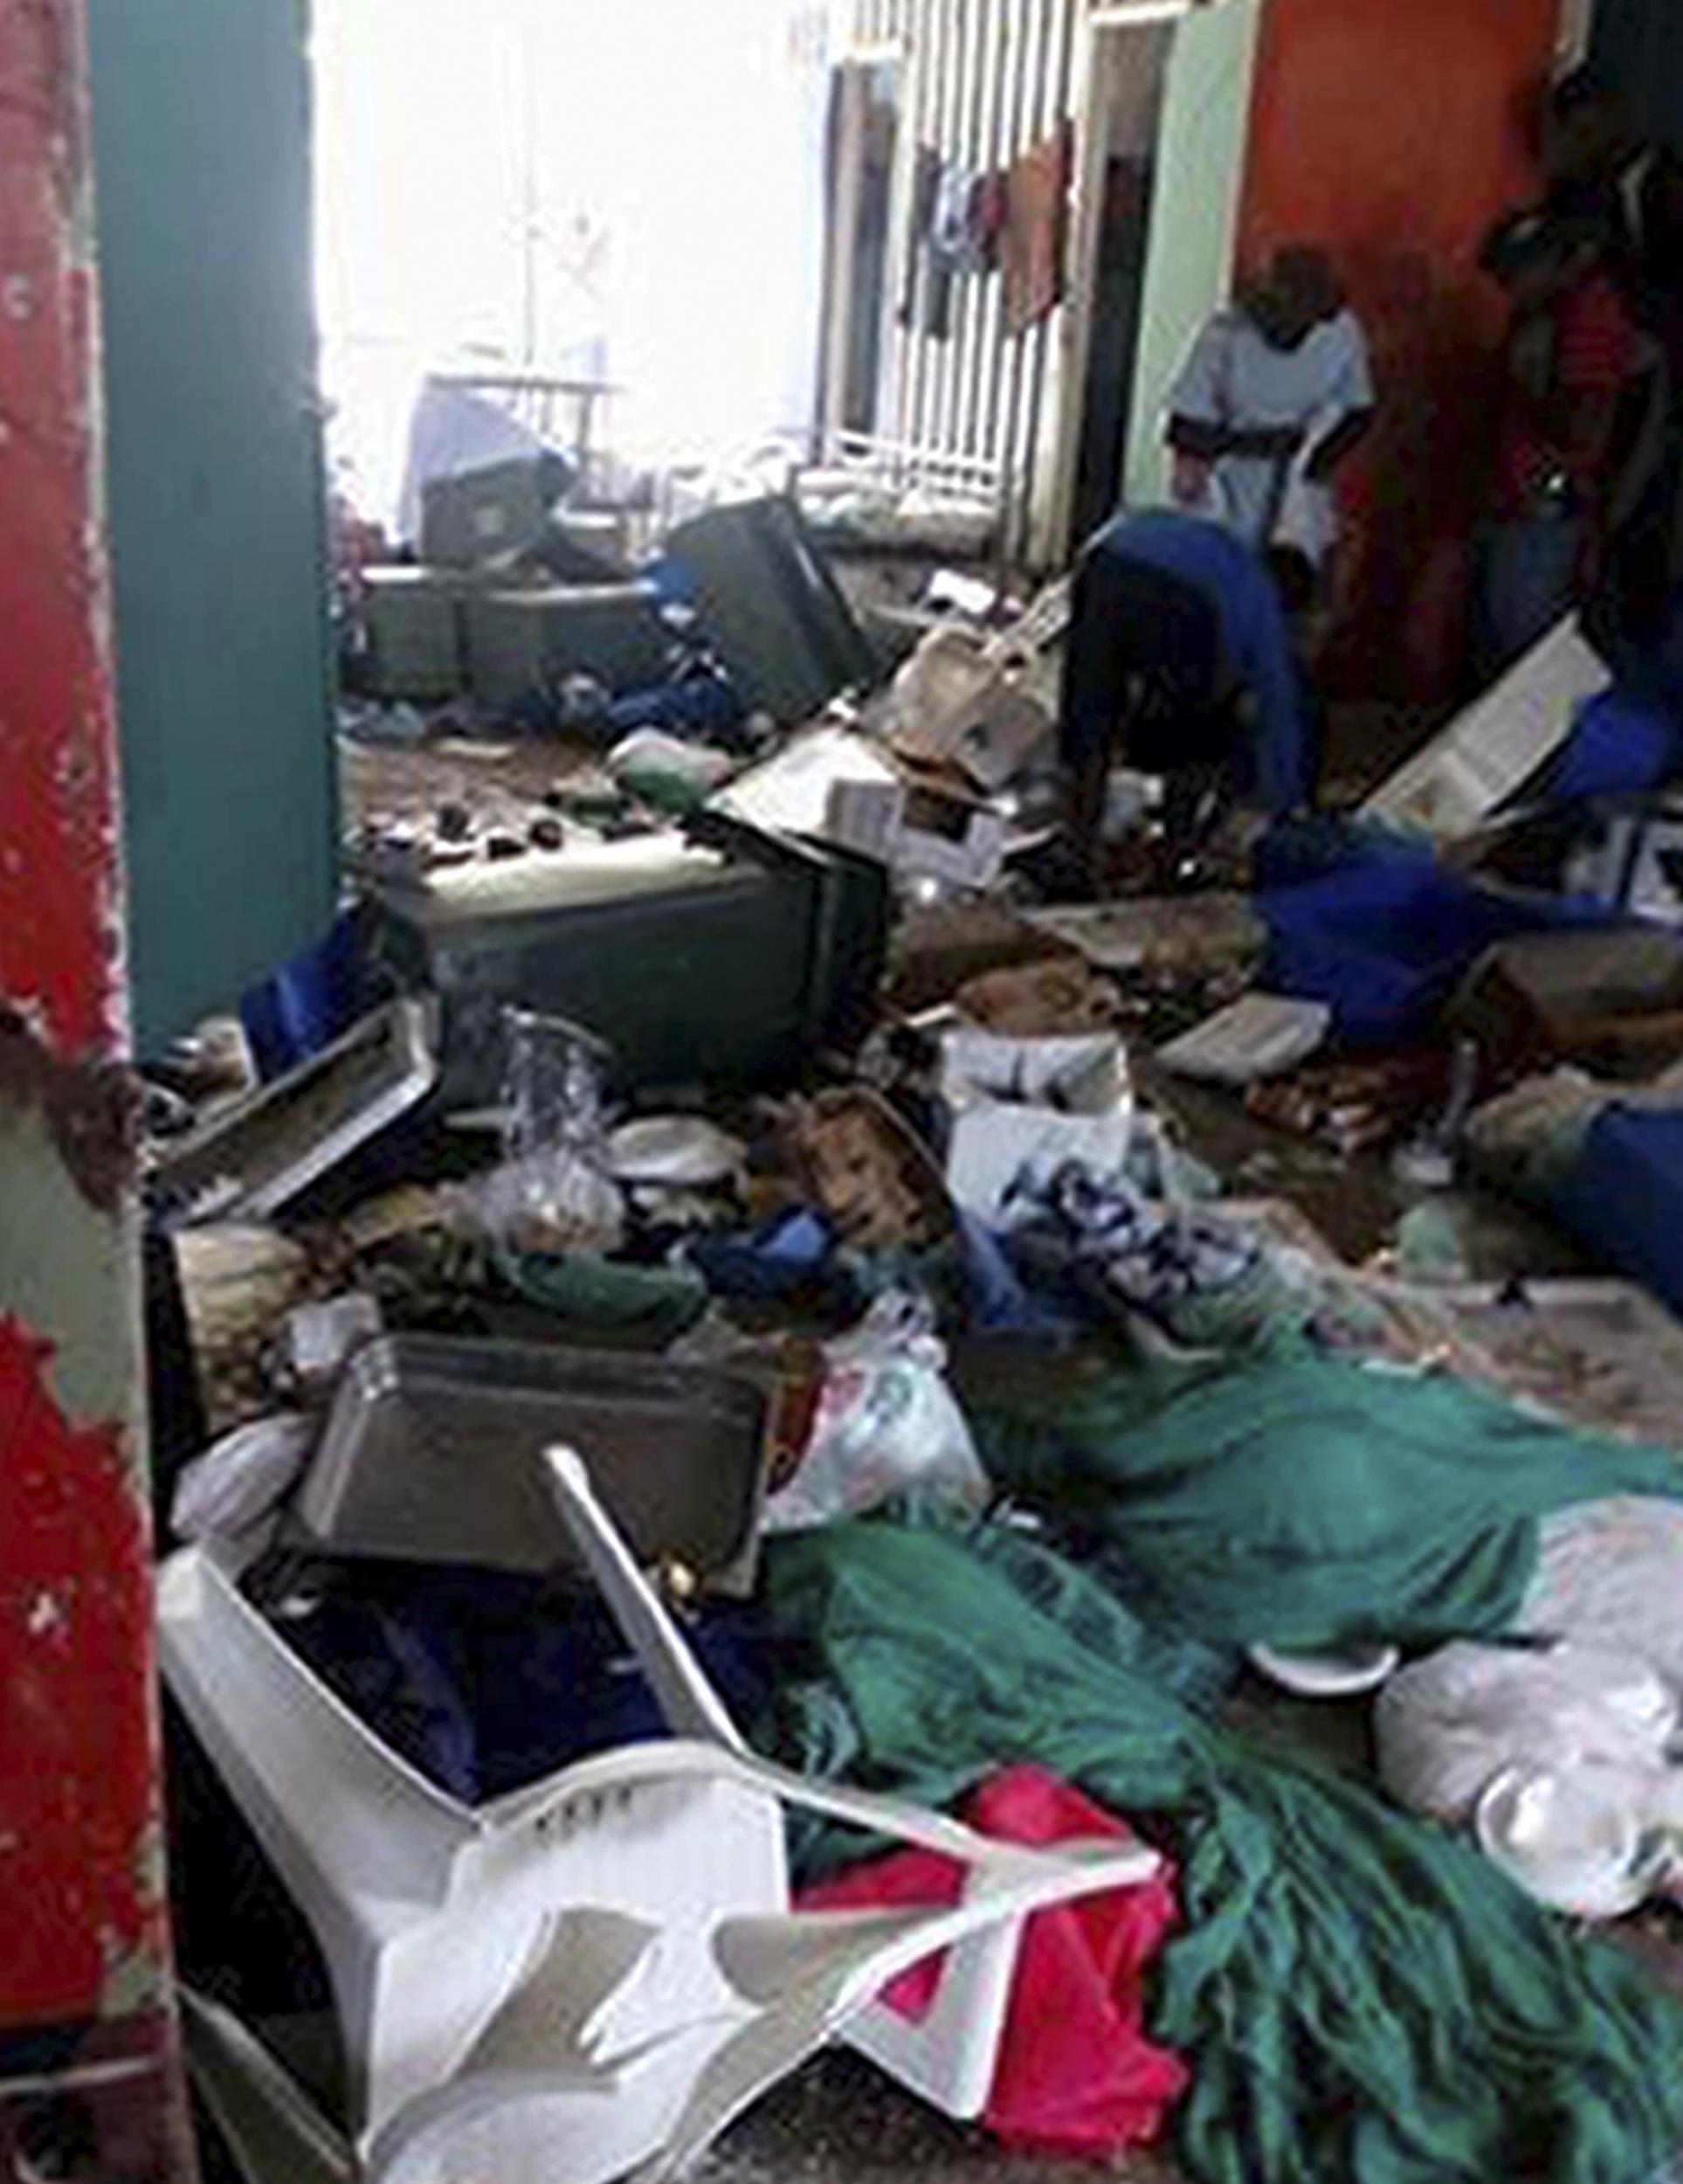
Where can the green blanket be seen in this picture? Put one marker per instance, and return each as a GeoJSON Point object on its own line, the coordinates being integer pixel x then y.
{"type": "Point", "coordinates": [1296, 1499]}
{"type": "Point", "coordinates": [1363, 1999]}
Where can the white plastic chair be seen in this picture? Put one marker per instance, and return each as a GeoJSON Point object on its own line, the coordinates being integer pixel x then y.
{"type": "Point", "coordinates": [591, 1978]}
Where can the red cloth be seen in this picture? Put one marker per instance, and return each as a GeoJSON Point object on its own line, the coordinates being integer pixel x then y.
{"type": "Point", "coordinates": [1595, 352]}
{"type": "Point", "coordinates": [1032, 239]}
{"type": "Point", "coordinates": [1075, 2073]}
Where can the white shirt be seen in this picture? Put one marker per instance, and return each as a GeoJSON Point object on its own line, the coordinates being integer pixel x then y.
{"type": "Point", "coordinates": [1235, 378]}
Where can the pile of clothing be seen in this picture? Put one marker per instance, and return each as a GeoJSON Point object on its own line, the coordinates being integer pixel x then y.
{"type": "Point", "coordinates": [1353, 1994]}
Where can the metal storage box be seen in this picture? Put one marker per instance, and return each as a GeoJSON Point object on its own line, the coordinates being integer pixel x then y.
{"type": "Point", "coordinates": [519, 641]}
{"type": "Point", "coordinates": [732, 969]}
{"type": "Point", "coordinates": [256, 1157]}
{"type": "Point", "coordinates": [432, 1455]}
{"type": "Point", "coordinates": [416, 637]}
{"type": "Point", "coordinates": [491, 514]}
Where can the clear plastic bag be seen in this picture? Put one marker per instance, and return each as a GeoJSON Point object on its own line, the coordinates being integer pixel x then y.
{"type": "Point", "coordinates": [553, 1191]}
{"type": "Point", "coordinates": [554, 1087]}
{"type": "Point", "coordinates": [887, 1424]}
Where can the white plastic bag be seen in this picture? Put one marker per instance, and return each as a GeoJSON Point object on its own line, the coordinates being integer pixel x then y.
{"type": "Point", "coordinates": [1562, 1760]}
{"type": "Point", "coordinates": [887, 1423]}
{"type": "Point", "coordinates": [1450, 1724]}
{"type": "Point", "coordinates": [1610, 1573]}
{"type": "Point", "coordinates": [235, 1484]}
{"type": "Point", "coordinates": [649, 755]}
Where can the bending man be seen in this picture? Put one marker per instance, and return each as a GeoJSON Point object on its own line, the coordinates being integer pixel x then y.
{"type": "Point", "coordinates": [1179, 650]}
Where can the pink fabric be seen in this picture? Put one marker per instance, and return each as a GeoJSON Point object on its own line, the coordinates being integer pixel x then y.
{"type": "Point", "coordinates": [1076, 2074]}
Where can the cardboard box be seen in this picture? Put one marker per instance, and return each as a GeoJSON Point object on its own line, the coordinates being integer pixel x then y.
{"type": "Point", "coordinates": [1612, 997]}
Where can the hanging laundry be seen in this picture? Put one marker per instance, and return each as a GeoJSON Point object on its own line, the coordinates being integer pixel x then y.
{"type": "Point", "coordinates": [923, 297]}
{"type": "Point", "coordinates": [1031, 246]}
{"type": "Point", "coordinates": [952, 234]}
{"type": "Point", "coordinates": [1359, 1995]}
{"type": "Point", "coordinates": [1075, 2074]}
{"type": "Point", "coordinates": [988, 213]}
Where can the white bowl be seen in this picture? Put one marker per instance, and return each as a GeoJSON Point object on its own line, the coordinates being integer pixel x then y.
{"type": "Point", "coordinates": [1349, 1674]}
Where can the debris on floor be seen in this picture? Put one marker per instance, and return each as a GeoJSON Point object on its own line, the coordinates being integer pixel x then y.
{"type": "Point", "coordinates": [756, 1343]}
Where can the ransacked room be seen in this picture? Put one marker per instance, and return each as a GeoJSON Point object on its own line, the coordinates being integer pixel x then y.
{"type": "Point", "coordinates": [841, 1092]}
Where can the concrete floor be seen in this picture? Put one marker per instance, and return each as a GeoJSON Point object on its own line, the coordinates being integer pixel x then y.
{"type": "Point", "coordinates": [841, 2122]}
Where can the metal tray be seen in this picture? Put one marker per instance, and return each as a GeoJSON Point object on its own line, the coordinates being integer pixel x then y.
{"type": "Point", "coordinates": [430, 1455]}
{"type": "Point", "coordinates": [247, 1164]}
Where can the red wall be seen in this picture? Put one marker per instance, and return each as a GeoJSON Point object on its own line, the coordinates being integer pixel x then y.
{"type": "Point", "coordinates": [1394, 132]}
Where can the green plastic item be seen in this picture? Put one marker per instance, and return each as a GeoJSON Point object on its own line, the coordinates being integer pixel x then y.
{"type": "Point", "coordinates": [589, 1291]}
{"type": "Point", "coordinates": [1363, 1999]}
{"type": "Point", "coordinates": [668, 793]}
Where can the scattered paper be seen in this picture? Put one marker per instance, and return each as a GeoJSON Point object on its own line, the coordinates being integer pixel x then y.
{"type": "Point", "coordinates": [1259, 1035]}
{"type": "Point", "coordinates": [1488, 750]}
{"type": "Point", "coordinates": [1086, 1076]}
{"type": "Point", "coordinates": [1021, 1104]}
{"type": "Point", "coordinates": [993, 1146]}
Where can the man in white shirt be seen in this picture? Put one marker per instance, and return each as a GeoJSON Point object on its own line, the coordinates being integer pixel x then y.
{"type": "Point", "coordinates": [1276, 393]}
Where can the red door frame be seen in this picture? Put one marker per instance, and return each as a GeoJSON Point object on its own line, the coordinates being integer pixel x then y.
{"type": "Point", "coordinates": [89, 2082]}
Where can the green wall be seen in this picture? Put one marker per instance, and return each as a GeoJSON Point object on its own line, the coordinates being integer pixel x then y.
{"type": "Point", "coordinates": [1194, 208]}
{"type": "Point", "coordinates": [202, 138]}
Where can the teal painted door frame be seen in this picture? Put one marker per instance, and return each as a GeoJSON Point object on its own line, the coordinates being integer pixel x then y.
{"type": "Point", "coordinates": [217, 493]}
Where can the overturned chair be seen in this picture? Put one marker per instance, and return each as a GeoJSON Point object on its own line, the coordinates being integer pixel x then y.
{"type": "Point", "coordinates": [588, 1978]}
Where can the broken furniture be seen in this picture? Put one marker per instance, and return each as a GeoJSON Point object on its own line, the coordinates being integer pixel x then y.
{"type": "Point", "coordinates": [249, 1161]}
{"type": "Point", "coordinates": [520, 640]}
{"type": "Point", "coordinates": [415, 633]}
{"type": "Point", "coordinates": [593, 1976]}
{"type": "Point", "coordinates": [769, 606]}
{"type": "Point", "coordinates": [729, 958]}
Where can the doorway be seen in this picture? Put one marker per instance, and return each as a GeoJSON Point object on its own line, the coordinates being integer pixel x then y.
{"type": "Point", "coordinates": [1130, 64]}
{"type": "Point", "coordinates": [1637, 46]}
{"type": "Point", "coordinates": [863, 134]}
